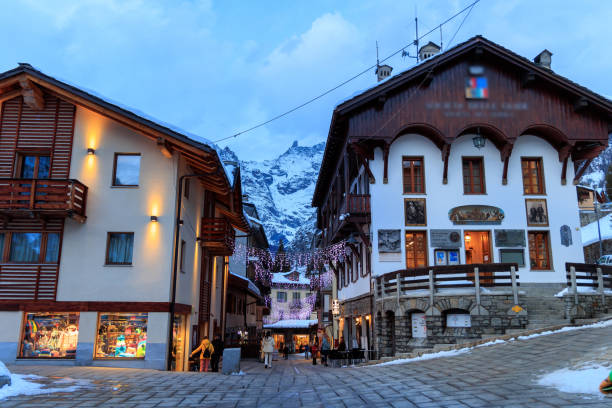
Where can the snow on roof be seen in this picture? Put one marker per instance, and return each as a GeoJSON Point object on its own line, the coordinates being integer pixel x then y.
{"type": "Point", "coordinates": [283, 277]}
{"type": "Point", "coordinates": [590, 234]}
{"type": "Point", "coordinates": [291, 324]}
{"type": "Point", "coordinates": [252, 286]}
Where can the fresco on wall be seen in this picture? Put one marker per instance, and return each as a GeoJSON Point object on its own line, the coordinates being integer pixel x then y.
{"type": "Point", "coordinates": [389, 241]}
{"type": "Point", "coordinates": [476, 214]}
{"type": "Point", "coordinates": [415, 212]}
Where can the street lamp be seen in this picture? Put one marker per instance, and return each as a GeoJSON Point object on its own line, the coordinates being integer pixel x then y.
{"type": "Point", "coordinates": [479, 140]}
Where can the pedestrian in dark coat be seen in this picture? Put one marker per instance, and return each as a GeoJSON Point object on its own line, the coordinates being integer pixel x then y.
{"type": "Point", "coordinates": [218, 354]}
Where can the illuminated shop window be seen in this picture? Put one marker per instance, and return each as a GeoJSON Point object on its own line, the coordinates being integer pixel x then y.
{"type": "Point", "coordinates": [49, 335]}
{"type": "Point", "coordinates": [121, 335]}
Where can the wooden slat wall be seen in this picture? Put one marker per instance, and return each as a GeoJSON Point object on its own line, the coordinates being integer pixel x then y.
{"type": "Point", "coordinates": [50, 129]}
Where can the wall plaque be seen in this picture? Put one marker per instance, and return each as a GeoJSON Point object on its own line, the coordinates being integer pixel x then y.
{"type": "Point", "coordinates": [509, 238]}
{"type": "Point", "coordinates": [476, 214]}
{"type": "Point", "coordinates": [389, 241]}
{"type": "Point", "coordinates": [566, 235]}
{"type": "Point", "coordinates": [445, 238]}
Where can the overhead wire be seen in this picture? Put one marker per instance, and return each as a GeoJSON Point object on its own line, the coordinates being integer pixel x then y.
{"type": "Point", "coordinates": [315, 98]}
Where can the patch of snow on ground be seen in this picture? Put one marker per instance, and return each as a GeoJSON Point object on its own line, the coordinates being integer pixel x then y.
{"type": "Point", "coordinates": [583, 289]}
{"type": "Point", "coordinates": [606, 323]}
{"type": "Point", "coordinates": [429, 356]}
{"type": "Point", "coordinates": [583, 380]}
{"type": "Point", "coordinates": [21, 386]}
{"type": "Point", "coordinates": [240, 373]}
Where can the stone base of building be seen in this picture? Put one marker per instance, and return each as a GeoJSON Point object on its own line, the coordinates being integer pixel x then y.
{"type": "Point", "coordinates": [587, 306]}
{"type": "Point", "coordinates": [413, 322]}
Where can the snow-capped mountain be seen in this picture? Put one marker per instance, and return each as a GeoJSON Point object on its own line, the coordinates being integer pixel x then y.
{"type": "Point", "coordinates": [595, 175]}
{"type": "Point", "coordinates": [282, 190]}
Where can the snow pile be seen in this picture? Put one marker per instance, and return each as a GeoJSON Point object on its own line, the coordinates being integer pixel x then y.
{"type": "Point", "coordinates": [597, 325]}
{"type": "Point", "coordinates": [590, 233]}
{"type": "Point", "coordinates": [583, 380]}
{"type": "Point", "coordinates": [428, 356]}
{"type": "Point", "coordinates": [240, 373]}
{"type": "Point", "coordinates": [291, 324]}
{"type": "Point", "coordinates": [20, 385]}
{"type": "Point", "coordinates": [584, 290]}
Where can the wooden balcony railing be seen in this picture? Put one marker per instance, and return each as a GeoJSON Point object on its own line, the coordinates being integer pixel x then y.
{"type": "Point", "coordinates": [63, 197]}
{"type": "Point", "coordinates": [596, 277]}
{"type": "Point", "coordinates": [28, 281]}
{"type": "Point", "coordinates": [358, 204]}
{"type": "Point", "coordinates": [218, 236]}
{"type": "Point", "coordinates": [434, 278]}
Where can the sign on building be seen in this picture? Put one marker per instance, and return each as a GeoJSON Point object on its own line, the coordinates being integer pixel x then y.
{"type": "Point", "coordinates": [445, 238]}
{"type": "Point", "coordinates": [335, 307]}
{"type": "Point", "coordinates": [458, 320]}
{"type": "Point", "coordinates": [419, 326]}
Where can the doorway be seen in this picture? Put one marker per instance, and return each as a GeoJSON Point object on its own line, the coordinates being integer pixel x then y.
{"type": "Point", "coordinates": [477, 247]}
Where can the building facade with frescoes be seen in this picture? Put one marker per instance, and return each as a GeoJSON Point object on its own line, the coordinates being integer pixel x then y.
{"type": "Point", "coordinates": [115, 230]}
{"type": "Point", "coordinates": [454, 185]}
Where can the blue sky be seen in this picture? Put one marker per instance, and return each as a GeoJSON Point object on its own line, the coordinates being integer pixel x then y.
{"type": "Point", "coordinates": [217, 67]}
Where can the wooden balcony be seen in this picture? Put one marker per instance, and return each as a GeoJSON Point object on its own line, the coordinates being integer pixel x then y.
{"type": "Point", "coordinates": [28, 281]}
{"type": "Point", "coordinates": [218, 236]}
{"type": "Point", "coordinates": [25, 197]}
{"type": "Point", "coordinates": [358, 204]}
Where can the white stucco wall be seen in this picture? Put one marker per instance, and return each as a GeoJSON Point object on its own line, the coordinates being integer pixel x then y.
{"type": "Point", "coordinates": [388, 199]}
{"type": "Point", "coordinates": [83, 275]}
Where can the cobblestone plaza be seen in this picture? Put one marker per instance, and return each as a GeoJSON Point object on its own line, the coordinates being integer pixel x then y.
{"type": "Point", "coordinates": [501, 375]}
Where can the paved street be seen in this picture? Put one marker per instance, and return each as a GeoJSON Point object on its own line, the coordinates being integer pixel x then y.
{"type": "Point", "coordinates": [502, 375]}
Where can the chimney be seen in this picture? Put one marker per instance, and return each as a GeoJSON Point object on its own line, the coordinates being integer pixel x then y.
{"type": "Point", "coordinates": [543, 59]}
{"type": "Point", "coordinates": [383, 72]}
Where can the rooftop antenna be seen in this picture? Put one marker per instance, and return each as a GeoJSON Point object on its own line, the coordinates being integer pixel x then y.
{"type": "Point", "coordinates": [416, 29]}
{"type": "Point", "coordinates": [441, 43]}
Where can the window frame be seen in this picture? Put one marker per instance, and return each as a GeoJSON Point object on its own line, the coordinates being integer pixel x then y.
{"type": "Point", "coordinates": [470, 159]}
{"type": "Point", "coordinates": [117, 154]}
{"type": "Point", "coordinates": [42, 255]}
{"type": "Point", "coordinates": [515, 250]}
{"type": "Point", "coordinates": [21, 154]}
{"type": "Point", "coordinates": [540, 175]}
{"type": "Point", "coordinates": [546, 233]}
{"type": "Point", "coordinates": [425, 246]}
{"type": "Point", "coordinates": [108, 236]}
{"type": "Point", "coordinates": [277, 297]}
{"type": "Point", "coordinates": [422, 184]}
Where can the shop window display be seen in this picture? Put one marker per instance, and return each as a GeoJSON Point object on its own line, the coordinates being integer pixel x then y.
{"type": "Point", "coordinates": [50, 335]}
{"type": "Point", "coordinates": [122, 335]}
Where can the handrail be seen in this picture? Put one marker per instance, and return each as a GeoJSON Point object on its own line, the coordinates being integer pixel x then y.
{"type": "Point", "coordinates": [588, 275]}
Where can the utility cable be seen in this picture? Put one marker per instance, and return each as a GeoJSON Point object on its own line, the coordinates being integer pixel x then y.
{"type": "Point", "coordinates": [309, 101]}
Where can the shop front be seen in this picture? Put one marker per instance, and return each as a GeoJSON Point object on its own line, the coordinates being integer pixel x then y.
{"type": "Point", "coordinates": [49, 335]}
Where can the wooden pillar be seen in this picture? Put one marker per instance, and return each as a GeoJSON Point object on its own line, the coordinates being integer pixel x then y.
{"type": "Point", "coordinates": [386, 163]}
{"type": "Point", "coordinates": [514, 284]}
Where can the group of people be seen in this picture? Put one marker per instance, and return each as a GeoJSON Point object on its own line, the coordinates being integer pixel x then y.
{"type": "Point", "coordinates": [312, 349]}
{"type": "Point", "coordinates": [210, 353]}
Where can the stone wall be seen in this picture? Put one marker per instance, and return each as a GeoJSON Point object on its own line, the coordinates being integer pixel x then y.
{"type": "Point", "coordinates": [495, 315]}
{"type": "Point", "coordinates": [588, 306]}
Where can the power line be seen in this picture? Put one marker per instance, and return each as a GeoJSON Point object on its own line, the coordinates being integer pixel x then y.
{"type": "Point", "coordinates": [311, 100]}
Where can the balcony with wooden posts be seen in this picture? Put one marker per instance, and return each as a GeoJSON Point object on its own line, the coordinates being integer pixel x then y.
{"type": "Point", "coordinates": [353, 210]}
{"type": "Point", "coordinates": [43, 197]}
{"type": "Point", "coordinates": [218, 236]}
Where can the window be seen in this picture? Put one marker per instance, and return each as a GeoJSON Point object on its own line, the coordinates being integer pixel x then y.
{"type": "Point", "coordinates": [281, 297]}
{"type": "Point", "coordinates": [512, 256]}
{"type": "Point", "coordinates": [473, 175]}
{"type": "Point", "coordinates": [416, 249]}
{"type": "Point", "coordinates": [52, 248]}
{"type": "Point", "coordinates": [539, 250]}
{"type": "Point", "coordinates": [25, 247]}
{"type": "Point", "coordinates": [296, 296]}
{"type": "Point", "coordinates": [533, 176]}
{"type": "Point", "coordinates": [34, 166]}
{"type": "Point", "coordinates": [126, 170]}
{"type": "Point", "coordinates": [413, 174]}
{"type": "Point", "coordinates": [1, 245]}
{"type": "Point", "coordinates": [183, 256]}
{"type": "Point", "coordinates": [119, 248]}
{"type": "Point", "coordinates": [121, 335]}
{"type": "Point", "coordinates": [49, 335]}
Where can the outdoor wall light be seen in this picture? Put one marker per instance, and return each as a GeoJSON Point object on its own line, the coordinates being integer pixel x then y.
{"type": "Point", "coordinates": [180, 222]}
{"type": "Point", "coordinates": [154, 218]}
{"type": "Point", "coordinates": [479, 140]}
{"type": "Point", "coordinates": [91, 151]}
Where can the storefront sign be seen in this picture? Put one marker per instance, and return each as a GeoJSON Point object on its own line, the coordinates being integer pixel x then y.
{"type": "Point", "coordinates": [419, 326]}
{"type": "Point", "coordinates": [445, 238]}
{"type": "Point", "coordinates": [335, 307]}
{"type": "Point", "coordinates": [566, 235]}
{"type": "Point", "coordinates": [476, 214]}
{"type": "Point", "coordinates": [509, 238]}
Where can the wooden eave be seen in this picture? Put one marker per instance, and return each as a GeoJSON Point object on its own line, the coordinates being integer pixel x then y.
{"type": "Point", "coordinates": [336, 139]}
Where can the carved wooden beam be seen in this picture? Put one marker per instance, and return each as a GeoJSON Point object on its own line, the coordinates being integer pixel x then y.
{"type": "Point", "coordinates": [362, 155]}
{"type": "Point", "coordinates": [164, 147]}
{"type": "Point", "coordinates": [333, 268]}
{"type": "Point", "coordinates": [564, 171]}
{"type": "Point", "coordinates": [9, 95]}
{"type": "Point", "coordinates": [32, 94]}
{"type": "Point", "coordinates": [582, 170]}
{"type": "Point", "coordinates": [445, 154]}
{"type": "Point", "coordinates": [386, 163]}
{"type": "Point", "coordinates": [587, 153]}
{"type": "Point", "coordinates": [362, 235]}
{"type": "Point", "coordinates": [505, 153]}
{"type": "Point", "coordinates": [564, 154]}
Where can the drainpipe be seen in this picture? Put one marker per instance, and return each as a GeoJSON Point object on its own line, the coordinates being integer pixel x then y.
{"type": "Point", "coordinates": [177, 232]}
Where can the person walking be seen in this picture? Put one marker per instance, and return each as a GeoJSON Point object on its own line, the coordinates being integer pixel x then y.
{"type": "Point", "coordinates": [268, 349]}
{"type": "Point", "coordinates": [206, 351]}
{"type": "Point", "coordinates": [313, 350]}
{"type": "Point", "coordinates": [218, 346]}
{"type": "Point", "coordinates": [306, 348]}
{"type": "Point", "coordinates": [324, 350]}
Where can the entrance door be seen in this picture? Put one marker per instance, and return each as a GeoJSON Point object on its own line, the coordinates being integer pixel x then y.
{"type": "Point", "coordinates": [477, 247]}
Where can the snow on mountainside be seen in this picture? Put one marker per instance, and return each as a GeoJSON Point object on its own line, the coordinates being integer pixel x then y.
{"type": "Point", "coordinates": [282, 190]}
{"type": "Point", "coordinates": [595, 175]}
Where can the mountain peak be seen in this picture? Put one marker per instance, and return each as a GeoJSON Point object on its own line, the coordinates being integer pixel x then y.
{"type": "Point", "coordinates": [295, 143]}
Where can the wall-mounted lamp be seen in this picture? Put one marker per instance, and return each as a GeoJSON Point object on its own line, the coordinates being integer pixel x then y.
{"type": "Point", "coordinates": [154, 218]}
{"type": "Point", "coordinates": [198, 239]}
{"type": "Point", "coordinates": [91, 151]}
{"type": "Point", "coordinates": [180, 222]}
{"type": "Point", "coordinates": [479, 140]}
